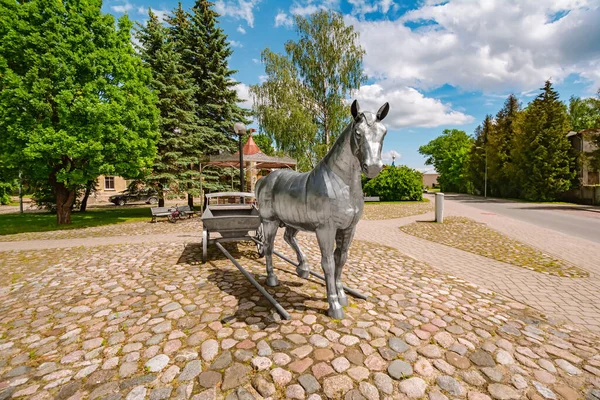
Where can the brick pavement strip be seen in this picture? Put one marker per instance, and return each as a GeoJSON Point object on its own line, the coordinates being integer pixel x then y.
{"type": "Point", "coordinates": [149, 320]}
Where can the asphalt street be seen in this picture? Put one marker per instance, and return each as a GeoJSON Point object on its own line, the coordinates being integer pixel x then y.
{"type": "Point", "coordinates": [578, 221]}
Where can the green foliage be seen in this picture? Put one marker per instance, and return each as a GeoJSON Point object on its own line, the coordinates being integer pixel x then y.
{"type": "Point", "coordinates": [301, 104]}
{"type": "Point", "coordinates": [6, 188]}
{"type": "Point", "coordinates": [501, 150]}
{"type": "Point", "coordinates": [544, 163]}
{"type": "Point", "coordinates": [479, 152]}
{"type": "Point", "coordinates": [449, 154]}
{"type": "Point", "coordinates": [74, 98]}
{"type": "Point", "coordinates": [205, 51]}
{"type": "Point", "coordinates": [584, 113]}
{"type": "Point", "coordinates": [181, 135]}
{"type": "Point", "coordinates": [396, 184]}
{"type": "Point", "coordinates": [264, 143]}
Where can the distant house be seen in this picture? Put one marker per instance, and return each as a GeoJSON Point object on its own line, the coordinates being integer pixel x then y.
{"type": "Point", "coordinates": [107, 185]}
{"type": "Point", "coordinates": [582, 143]}
{"type": "Point", "coordinates": [588, 191]}
{"type": "Point", "coordinates": [430, 179]}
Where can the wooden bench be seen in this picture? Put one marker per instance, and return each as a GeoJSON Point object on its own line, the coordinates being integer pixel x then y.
{"type": "Point", "coordinates": [186, 210]}
{"type": "Point", "coordinates": [371, 198]}
{"type": "Point", "coordinates": [160, 212]}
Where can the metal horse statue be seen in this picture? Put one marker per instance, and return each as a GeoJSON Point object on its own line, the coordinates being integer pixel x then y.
{"type": "Point", "coordinates": [327, 200]}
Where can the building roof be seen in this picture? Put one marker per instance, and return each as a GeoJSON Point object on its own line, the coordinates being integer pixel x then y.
{"type": "Point", "coordinates": [252, 153]}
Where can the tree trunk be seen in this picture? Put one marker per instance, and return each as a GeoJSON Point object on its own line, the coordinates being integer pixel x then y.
{"type": "Point", "coordinates": [88, 190]}
{"type": "Point", "coordinates": [190, 201]}
{"type": "Point", "coordinates": [161, 195]}
{"type": "Point", "coordinates": [64, 201]}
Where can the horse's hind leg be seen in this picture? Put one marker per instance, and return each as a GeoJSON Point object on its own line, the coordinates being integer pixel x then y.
{"type": "Point", "coordinates": [343, 239]}
{"type": "Point", "coordinates": [302, 269]}
{"type": "Point", "coordinates": [269, 232]}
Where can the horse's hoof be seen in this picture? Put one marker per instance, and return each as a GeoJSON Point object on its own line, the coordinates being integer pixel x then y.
{"type": "Point", "coordinates": [272, 281]}
{"type": "Point", "coordinates": [343, 301]}
{"type": "Point", "coordinates": [303, 273]}
{"type": "Point", "coordinates": [335, 313]}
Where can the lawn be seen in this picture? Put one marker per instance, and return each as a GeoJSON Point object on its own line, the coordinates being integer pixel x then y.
{"type": "Point", "coordinates": [474, 237]}
{"type": "Point", "coordinates": [44, 222]}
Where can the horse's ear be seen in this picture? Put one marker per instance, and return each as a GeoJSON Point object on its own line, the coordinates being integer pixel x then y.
{"type": "Point", "coordinates": [355, 109]}
{"type": "Point", "coordinates": [383, 111]}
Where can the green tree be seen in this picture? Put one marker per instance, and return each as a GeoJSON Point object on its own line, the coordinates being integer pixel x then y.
{"type": "Point", "coordinates": [449, 154]}
{"type": "Point", "coordinates": [205, 53]}
{"type": "Point", "coordinates": [301, 103]}
{"type": "Point", "coordinates": [396, 184]}
{"type": "Point", "coordinates": [74, 98]}
{"type": "Point", "coordinates": [544, 163]}
{"type": "Point", "coordinates": [479, 152]}
{"type": "Point", "coordinates": [584, 113]}
{"type": "Point", "coordinates": [500, 148]}
{"type": "Point", "coordinates": [264, 143]}
{"type": "Point", "coordinates": [181, 135]}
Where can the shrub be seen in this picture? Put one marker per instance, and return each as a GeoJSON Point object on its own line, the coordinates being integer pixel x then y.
{"type": "Point", "coordinates": [396, 184]}
{"type": "Point", "coordinates": [6, 189]}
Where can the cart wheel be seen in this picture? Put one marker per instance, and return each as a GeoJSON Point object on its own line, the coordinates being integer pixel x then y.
{"type": "Point", "coordinates": [205, 236]}
{"type": "Point", "coordinates": [172, 218]}
{"type": "Point", "coordinates": [260, 237]}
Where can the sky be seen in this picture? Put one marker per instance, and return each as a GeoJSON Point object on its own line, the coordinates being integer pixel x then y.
{"type": "Point", "coordinates": [440, 64]}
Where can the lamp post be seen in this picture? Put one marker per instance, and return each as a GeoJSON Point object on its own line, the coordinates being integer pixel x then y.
{"type": "Point", "coordinates": [240, 130]}
{"type": "Point", "coordinates": [485, 179]}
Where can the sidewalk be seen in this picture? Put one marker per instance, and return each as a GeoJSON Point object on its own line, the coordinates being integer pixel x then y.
{"type": "Point", "coordinates": [575, 300]}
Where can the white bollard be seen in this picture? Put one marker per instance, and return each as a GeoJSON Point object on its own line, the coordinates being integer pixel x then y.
{"type": "Point", "coordinates": [439, 207]}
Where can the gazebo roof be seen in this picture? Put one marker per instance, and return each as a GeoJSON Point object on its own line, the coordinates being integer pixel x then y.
{"type": "Point", "coordinates": [251, 153]}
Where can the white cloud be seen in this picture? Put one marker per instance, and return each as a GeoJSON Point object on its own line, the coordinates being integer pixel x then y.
{"type": "Point", "coordinates": [161, 14]}
{"type": "Point", "coordinates": [282, 19]}
{"type": "Point", "coordinates": [262, 78]}
{"type": "Point", "coordinates": [241, 30]}
{"type": "Point", "coordinates": [235, 43]}
{"type": "Point", "coordinates": [408, 107]}
{"type": "Point", "coordinates": [238, 9]}
{"type": "Point", "coordinates": [243, 94]}
{"type": "Point", "coordinates": [387, 156]}
{"type": "Point", "coordinates": [489, 45]}
{"type": "Point", "coordinates": [123, 8]}
{"type": "Point", "coordinates": [256, 61]}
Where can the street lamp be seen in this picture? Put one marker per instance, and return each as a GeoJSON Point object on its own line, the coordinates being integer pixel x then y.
{"type": "Point", "coordinates": [240, 130]}
{"type": "Point", "coordinates": [485, 179]}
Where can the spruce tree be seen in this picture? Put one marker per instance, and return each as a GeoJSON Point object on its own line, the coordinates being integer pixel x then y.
{"type": "Point", "coordinates": [205, 52]}
{"type": "Point", "coordinates": [478, 153]}
{"type": "Point", "coordinates": [544, 163]}
{"type": "Point", "coordinates": [500, 147]}
{"type": "Point", "coordinates": [180, 132]}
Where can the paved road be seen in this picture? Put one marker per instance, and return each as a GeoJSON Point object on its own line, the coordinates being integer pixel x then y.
{"type": "Point", "coordinates": [579, 221]}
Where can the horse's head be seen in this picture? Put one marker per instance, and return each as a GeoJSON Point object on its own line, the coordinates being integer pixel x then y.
{"type": "Point", "coordinates": [368, 133]}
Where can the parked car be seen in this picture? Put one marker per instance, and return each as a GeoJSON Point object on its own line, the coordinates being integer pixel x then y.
{"type": "Point", "coordinates": [146, 195]}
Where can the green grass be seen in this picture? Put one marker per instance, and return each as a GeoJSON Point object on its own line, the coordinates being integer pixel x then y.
{"type": "Point", "coordinates": [43, 222]}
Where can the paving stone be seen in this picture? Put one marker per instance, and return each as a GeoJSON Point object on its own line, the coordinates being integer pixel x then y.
{"type": "Point", "coordinates": [437, 395]}
{"type": "Point", "coordinates": [375, 363]}
{"type": "Point", "coordinates": [309, 383]}
{"type": "Point", "coordinates": [413, 388]}
{"type": "Point", "coordinates": [302, 351]}
{"type": "Point", "coordinates": [262, 386]}
{"type": "Point", "coordinates": [399, 369]}
{"type": "Point", "coordinates": [209, 379]}
{"type": "Point", "coordinates": [337, 385]}
{"type": "Point", "coordinates": [157, 363]}
{"type": "Point", "coordinates": [295, 392]}
{"type": "Point", "coordinates": [161, 393]}
{"type": "Point", "coordinates": [340, 364]}
{"type": "Point", "coordinates": [209, 349]}
{"type": "Point", "coordinates": [191, 370]}
{"type": "Point", "coordinates": [493, 373]}
{"type": "Point", "coordinates": [222, 361]}
{"type": "Point", "coordinates": [567, 367]}
{"type": "Point", "coordinates": [137, 393]}
{"type": "Point", "coordinates": [236, 375]}
{"type": "Point", "coordinates": [473, 378]}
{"type": "Point", "coordinates": [482, 359]}
{"type": "Point", "coordinates": [478, 396]}
{"type": "Point", "coordinates": [279, 345]}
{"type": "Point", "coordinates": [397, 344]}
{"type": "Point", "coordinates": [444, 339]}
{"type": "Point", "coordinates": [281, 359]}
{"type": "Point", "coordinates": [354, 394]}
{"type": "Point", "coordinates": [430, 351]}
{"type": "Point", "coordinates": [299, 366]}
{"type": "Point", "coordinates": [450, 385]}
{"type": "Point", "coordinates": [281, 377]}
{"type": "Point", "coordinates": [264, 349]}
{"type": "Point", "coordinates": [545, 392]}
{"type": "Point", "coordinates": [544, 377]}
{"type": "Point", "coordinates": [383, 382]}
{"type": "Point", "coordinates": [358, 373]}
{"type": "Point", "coordinates": [457, 360]}
{"type": "Point", "coordinates": [321, 369]}
{"type": "Point", "coordinates": [323, 354]}
{"type": "Point", "coordinates": [369, 391]}
{"type": "Point", "coordinates": [503, 392]}
{"type": "Point", "coordinates": [518, 381]}
{"type": "Point", "coordinates": [566, 392]}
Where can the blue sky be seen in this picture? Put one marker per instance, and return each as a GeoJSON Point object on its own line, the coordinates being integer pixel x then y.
{"type": "Point", "coordinates": [440, 64]}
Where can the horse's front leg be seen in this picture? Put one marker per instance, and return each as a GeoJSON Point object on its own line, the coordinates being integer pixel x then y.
{"type": "Point", "coordinates": [343, 239]}
{"type": "Point", "coordinates": [269, 232]}
{"type": "Point", "coordinates": [302, 269]}
{"type": "Point", "coordinates": [326, 239]}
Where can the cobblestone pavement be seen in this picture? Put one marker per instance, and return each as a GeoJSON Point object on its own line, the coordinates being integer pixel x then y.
{"type": "Point", "coordinates": [148, 321]}
{"type": "Point", "coordinates": [575, 300]}
{"type": "Point", "coordinates": [378, 211]}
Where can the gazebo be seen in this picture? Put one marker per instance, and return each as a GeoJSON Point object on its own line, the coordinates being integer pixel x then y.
{"type": "Point", "coordinates": [254, 160]}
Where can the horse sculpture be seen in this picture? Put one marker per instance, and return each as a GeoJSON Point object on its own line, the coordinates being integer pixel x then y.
{"type": "Point", "coordinates": [327, 200]}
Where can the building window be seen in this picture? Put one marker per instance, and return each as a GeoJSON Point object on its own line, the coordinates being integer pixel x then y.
{"type": "Point", "coordinates": [109, 183]}
{"type": "Point", "coordinates": [593, 178]}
